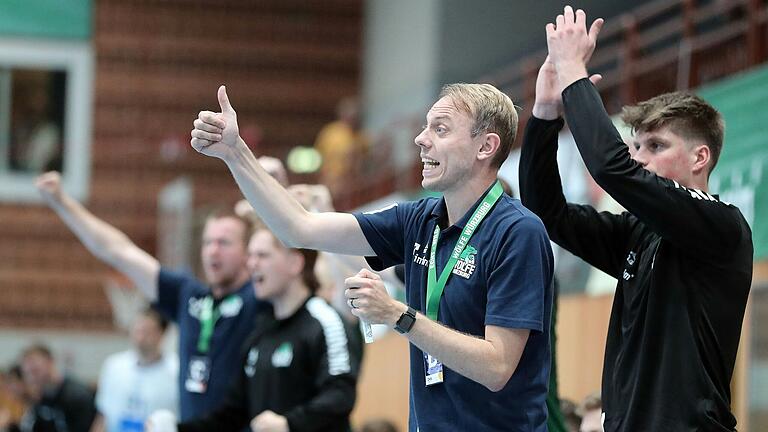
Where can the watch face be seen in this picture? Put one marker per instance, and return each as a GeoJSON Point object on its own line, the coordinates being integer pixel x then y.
{"type": "Point", "coordinates": [406, 321]}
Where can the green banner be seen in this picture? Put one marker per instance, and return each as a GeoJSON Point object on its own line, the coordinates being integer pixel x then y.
{"type": "Point", "coordinates": [741, 175]}
{"type": "Point", "coordinates": [69, 19]}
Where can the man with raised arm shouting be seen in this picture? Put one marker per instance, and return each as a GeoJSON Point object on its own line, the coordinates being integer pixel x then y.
{"type": "Point", "coordinates": [214, 317]}
{"type": "Point", "coordinates": [478, 264]}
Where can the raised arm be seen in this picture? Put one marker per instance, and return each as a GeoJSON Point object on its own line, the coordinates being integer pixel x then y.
{"type": "Point", "coordinates": [691, 219]}
{"type": "Point", "coordinates": [103, 240]}
{"type": "Point", "coordinates": [217, 135]}
{"type": "Point", "coordinates": [598, 238]}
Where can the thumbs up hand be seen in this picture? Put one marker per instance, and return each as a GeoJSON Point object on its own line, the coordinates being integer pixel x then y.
{"type": "Point", "coordinates": [216, 134]}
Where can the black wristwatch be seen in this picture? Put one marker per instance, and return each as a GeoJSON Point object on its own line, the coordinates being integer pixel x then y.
{"type": "Point", "coordinates": [406, 321]}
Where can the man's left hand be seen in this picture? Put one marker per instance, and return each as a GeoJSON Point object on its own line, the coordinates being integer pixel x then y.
{"type": "Point", "coordinates": [368, 299]}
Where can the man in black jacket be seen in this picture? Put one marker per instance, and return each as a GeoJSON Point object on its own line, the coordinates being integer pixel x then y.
{"type": "Point", "coordinates": [682, 257]}
{"type": "Point", "coordinates": [300, 366]}
{"type": "Point", "coordinates": [61, 404]}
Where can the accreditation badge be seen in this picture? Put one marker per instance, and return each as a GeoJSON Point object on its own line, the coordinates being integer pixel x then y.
{"type": "Point", "coordinates": [198, 373]}
{"type": "Point", "coordinates": [433, 370]}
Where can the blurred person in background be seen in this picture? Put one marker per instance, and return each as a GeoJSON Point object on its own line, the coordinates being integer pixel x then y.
{"type": "Point", "coordinates": [591, 412]}
{"type": "Point", "coordinates": [299, 368]}
{"type": "Point", "coordinates": [214, 317]}
{"type": "Point", "coordinates": [682, 257]}
{"type": "Point", "coordinates": [14, 399]}
{"type": "Point", "coordinates": [137, 382]}
{"type": "Point", "coordinates": [572, 419]}
{"type": "Point", "coordinates": [59, 403]}
{"type": "Point", "coordinates": [343, 146]}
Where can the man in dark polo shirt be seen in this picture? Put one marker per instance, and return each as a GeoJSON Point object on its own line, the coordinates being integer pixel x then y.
{"type": "Point", "coordinates": [478, 264]}
{"type": "Point", "coordinates": [214, 317]}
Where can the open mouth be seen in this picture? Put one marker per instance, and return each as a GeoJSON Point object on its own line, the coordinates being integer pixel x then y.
{"type": "Point", "coordinates": [257, 278]}
{"type": "Point", "coordinates": [429, 163]}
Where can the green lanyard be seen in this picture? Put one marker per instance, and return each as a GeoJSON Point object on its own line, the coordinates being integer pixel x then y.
{"type": "Point", "coordinates": [208, 317]}
{"type": "Point", "coordinates": [435, 287]}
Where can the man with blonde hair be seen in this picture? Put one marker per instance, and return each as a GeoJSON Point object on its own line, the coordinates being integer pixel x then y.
{"type": "Point", "coordinates": [479, 333]}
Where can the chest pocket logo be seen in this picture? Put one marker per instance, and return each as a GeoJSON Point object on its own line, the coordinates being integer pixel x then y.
{"type": "Point", "coordinates": [466, 264]}
{"type": "Point", "coordinates": [283, 355]}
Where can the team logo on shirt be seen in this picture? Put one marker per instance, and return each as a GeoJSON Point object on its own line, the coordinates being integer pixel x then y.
{"type": "Point", "coordinates": [250, 362]}
{"type": "Point", "coordinates": [283, 355]}
{"type": "Point", "coordinates": [420, 254]}
{"type": "Point", "coordinates": [229, 307]}
{"type": "Point", "coordinates": [465, 266]}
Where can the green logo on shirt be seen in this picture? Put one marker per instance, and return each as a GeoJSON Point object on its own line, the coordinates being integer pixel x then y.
{"type": "Point", "coordinates": [283, 355]}
{"type": "Point", "coordinates": [465, 266]}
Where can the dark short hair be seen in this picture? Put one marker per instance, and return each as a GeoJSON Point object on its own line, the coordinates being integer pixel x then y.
{"type": "Point", "coordinates": [308, 274]}
{"type": "Point", "coordinates": [685, 113]}
{"type": "Point", "coordinates": [38, 348]}
{"type": "Point", "coordinates": [156, 316]}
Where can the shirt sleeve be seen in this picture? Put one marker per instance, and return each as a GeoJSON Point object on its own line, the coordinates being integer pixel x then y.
{"type": "Point", "coordinates": [520, 278]}
{"type": "Point", "coordinates": [688, 218]}
{"type": "Point", "coordinates": [599, 238]}
{"type": "Point", "coordinates": [169, 289]}
{"type": "Point", "coordinates": [385, 231]}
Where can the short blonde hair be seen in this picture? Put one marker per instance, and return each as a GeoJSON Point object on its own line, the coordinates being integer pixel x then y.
{"type": "Point", "coordinates": [491, 111]}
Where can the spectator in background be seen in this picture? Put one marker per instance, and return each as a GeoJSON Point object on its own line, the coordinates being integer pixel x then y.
{"type": "Point", "coordinates": [298, 370]}
{"type": "Point", "coordinates": [137, 382]}
{"type": "Point", "coordinates": [60, 404]}
{"type": "Point", "coordinates": [343, 146]}
{"type": "Point", "coordinates": [331, 269]}
{"type": "Point", "coordinates": [572, 418]}
{"type": "Point", "coordinates": [214, 317]}
{"type": "Point", "coordinates": [36, 123]}
{"type": "Point", "coordinates": [14, 399]}
{"type": "Point", "coordinates": [591, 412]}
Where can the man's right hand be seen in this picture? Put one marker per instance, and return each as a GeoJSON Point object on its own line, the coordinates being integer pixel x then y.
{"type": "Point", "coordinates": [217, 134]}
{"type": "Point", "coordinates": [49, 185]}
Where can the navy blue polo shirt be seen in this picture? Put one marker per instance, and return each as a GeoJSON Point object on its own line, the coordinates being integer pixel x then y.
{"type": "Point", "coordinates": [504, 278]}
{"type": "Point", "coordinates": [179, 297]}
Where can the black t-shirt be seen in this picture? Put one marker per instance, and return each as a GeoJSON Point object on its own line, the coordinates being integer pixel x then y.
{"type": "Point", "coordinates": [683, 260]}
